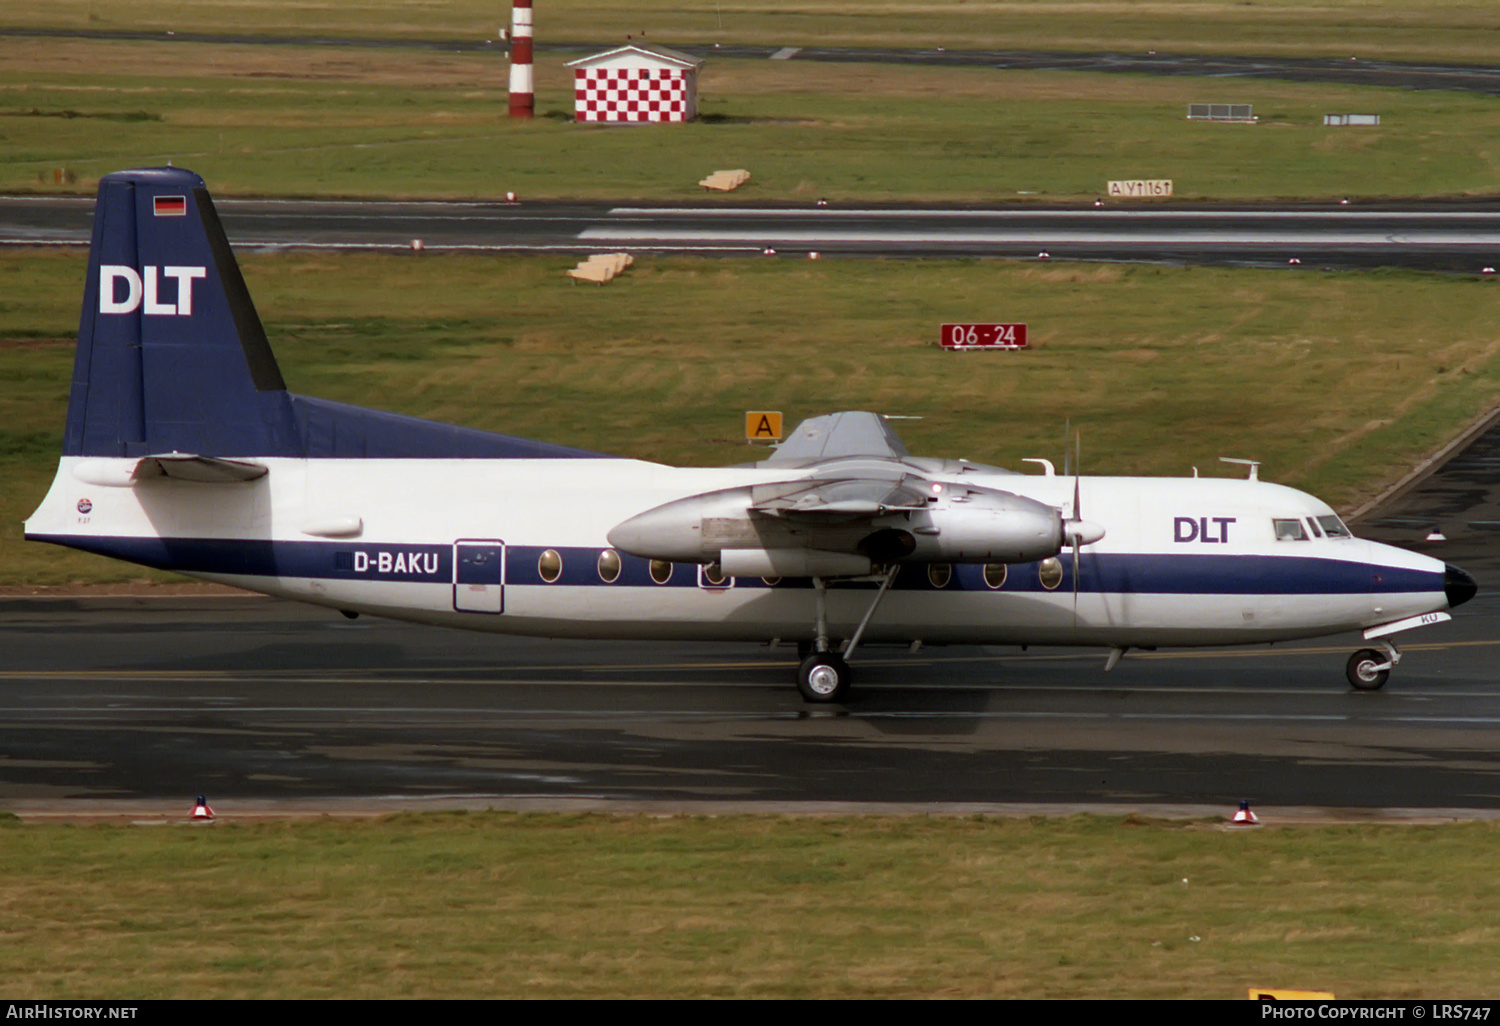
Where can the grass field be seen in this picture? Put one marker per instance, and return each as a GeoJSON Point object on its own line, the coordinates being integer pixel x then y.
{"type": "Point", "coordinates": [352, 121]}
{"type": "Point", "coordinates": [1336, 382]}
{"type": "Point", "coordinates": [493, 905]}
{"type": "Point", "coordinates": [1459, 31]}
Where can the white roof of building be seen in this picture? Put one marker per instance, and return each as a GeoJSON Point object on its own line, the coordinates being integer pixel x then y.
{"type": "Point", "coordinates": [670, 58]}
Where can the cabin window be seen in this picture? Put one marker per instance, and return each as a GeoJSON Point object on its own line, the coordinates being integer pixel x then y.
{"type": "Point", "coordinates": [661, 571]}
{"type": "Point", "coordinates": [609, 566]}
{"type": "Point", "coordinates": [1333, 527]}
{"type": "Point", "coordinates": [1289, 530]}
{"type": "Point", "coordinates": [995, 574]}
{"type": "Point", "coordinates": [549, 566]}
{"type": "Point", "coordinates": [771, 582]}
{"type": "Point", "coordinates": [939, 574]}
{"type": "Point", "coordinates": [1050, 572]}
{"type": "Point", "coordinates": [713, 576]}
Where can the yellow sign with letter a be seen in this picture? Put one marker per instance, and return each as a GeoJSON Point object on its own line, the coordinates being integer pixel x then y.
{"type": "Point", "coordinates": [763, 426]}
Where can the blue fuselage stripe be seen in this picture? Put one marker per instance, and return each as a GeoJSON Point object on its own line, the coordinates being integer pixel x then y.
{"type": "Point", "coordinates": [1114, 573]}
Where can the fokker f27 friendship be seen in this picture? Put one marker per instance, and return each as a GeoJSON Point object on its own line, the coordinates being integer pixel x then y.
{"type": "Point", "coordinates": [185, 451]}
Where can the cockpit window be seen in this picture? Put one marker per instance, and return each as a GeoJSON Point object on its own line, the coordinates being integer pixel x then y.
{"type": "Point", "coordinates": [1290, 530]}
{"type": "Point", "coordinates": [1333, 527]}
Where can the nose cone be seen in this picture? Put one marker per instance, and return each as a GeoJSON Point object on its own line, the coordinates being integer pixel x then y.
{"type": "Point", "coordinates": [1458, 586]}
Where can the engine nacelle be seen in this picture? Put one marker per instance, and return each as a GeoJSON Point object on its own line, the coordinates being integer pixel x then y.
{"type": "Point", "coordinates": [965, 525]}
{"type": "Point", "coordinates": [986, 526]}
{"type": "Point", "coordinates": [694, 529]}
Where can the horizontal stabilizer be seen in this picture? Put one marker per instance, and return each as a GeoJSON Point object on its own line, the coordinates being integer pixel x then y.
{"type": "Point", "coordinates": [177, 466]}
{"type": "Point", "coordinates": [203, 469]}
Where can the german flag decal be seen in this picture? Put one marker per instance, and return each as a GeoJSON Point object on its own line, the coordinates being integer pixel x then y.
{"type": "Point", "coordinates": [169, 206]}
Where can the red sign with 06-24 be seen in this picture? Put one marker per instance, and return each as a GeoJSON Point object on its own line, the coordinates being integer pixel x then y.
{"type": "Point", "coordinates": [984, 336]}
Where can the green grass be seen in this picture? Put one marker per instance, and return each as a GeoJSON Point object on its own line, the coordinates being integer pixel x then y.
{"type": "Point", "coordinates": [308, 121]}
{"type": "Point", "coordinates": [498, 905]}
{"type": "Point", "coordinates": [1338, 383]}
{"type": "Point", "coordinates": [1447, 30]}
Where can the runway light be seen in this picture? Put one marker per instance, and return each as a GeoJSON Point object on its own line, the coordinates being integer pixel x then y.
{"type": "Point", "coordinates": [510, 197]}
{"type": "Point", "coordinates": [1245, 817]}
{"type": "Point", "coordinates": [822, 203]}
{"type": "Point", "coordinates": [1344, 202]}
{"type": "Point", "coordinates": [813, 255]}
{"type": "Point", "coordinates": [1486, 270]}
{"type": "Point", "coordinates": [768, 251]}
{"type": "Point", "coordinates": [1044, 255]}
{"type": "Point", "coordinates": [1436, 534]}
{"type": "Point", "coordinates": [416, 245]}
{"type": "Point", "coordinates": [1294, 261]}
{"type": "Point", "coordinates": [1098, 202]}
{"type": "Point", "coordinates": [201, 812]}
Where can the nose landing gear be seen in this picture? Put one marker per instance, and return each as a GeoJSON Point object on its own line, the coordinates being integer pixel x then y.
{"type": "Point", "coordinates": [1368, 670]}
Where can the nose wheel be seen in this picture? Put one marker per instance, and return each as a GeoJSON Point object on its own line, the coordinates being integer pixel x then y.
{"type": "Point", "coordinates": [823, 677]}
{"type": "Point", "coordinates": [1368, 670]}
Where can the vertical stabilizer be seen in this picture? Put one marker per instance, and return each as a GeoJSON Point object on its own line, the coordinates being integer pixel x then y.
{"type": "Point", "coordinates": [171, 353]}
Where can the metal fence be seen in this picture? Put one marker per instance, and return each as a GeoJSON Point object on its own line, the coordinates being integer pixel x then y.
{"type": "Point", "coordinates": [1220, 112]}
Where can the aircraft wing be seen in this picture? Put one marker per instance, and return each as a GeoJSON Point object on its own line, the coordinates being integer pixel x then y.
{"type": "Point", "coordinates": [867, 497]}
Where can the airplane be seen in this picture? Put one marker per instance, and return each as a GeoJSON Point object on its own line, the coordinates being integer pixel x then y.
{"type": "Point", "coordinates": [183, 450]}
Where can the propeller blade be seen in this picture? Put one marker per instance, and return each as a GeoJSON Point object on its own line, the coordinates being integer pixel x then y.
{"type": "Point", "coordinates": [1077, 515]}
{"type": "Point", "coordinates": [1075, 582]}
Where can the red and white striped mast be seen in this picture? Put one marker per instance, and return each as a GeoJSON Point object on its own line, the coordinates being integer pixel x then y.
{"type": "Point", "coordinates": [522, 99]}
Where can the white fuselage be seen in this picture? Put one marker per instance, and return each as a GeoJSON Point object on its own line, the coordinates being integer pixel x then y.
{"type": "Point", "coordinates": [471, 542]}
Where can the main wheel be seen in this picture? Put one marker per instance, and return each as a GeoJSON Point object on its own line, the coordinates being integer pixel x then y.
{"type": "Point", "coordinates": [1363, 672]}
{"type": "Point", "coordinates": [823, 677]}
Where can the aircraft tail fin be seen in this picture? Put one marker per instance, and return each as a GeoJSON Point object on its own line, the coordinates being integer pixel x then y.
{"type": "Point", "coordinates": [172, 357]}
{"type": "Point", "coordinates": [171, 353]}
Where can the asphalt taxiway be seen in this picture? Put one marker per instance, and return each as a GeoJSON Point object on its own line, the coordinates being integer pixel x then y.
{"type": "Point", "coordinates": [1435, 236]}
{"type": "Point", "coordinates": [140, 703]}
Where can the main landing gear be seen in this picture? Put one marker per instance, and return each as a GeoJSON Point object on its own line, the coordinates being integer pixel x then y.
{"type": "Point", "coordinates": [824, 674]}
{"type": "Point", "coordinates": [823, 677]}
{"type": "Point", "coordinates": [1368, 670]}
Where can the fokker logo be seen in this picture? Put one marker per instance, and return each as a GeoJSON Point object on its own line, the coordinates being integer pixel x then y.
{"type": "Point", "coordinates": [143, 291]}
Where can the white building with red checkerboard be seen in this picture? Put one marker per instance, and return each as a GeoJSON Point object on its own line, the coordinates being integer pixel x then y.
{"type": "Point", "coordinates": [635, 84]}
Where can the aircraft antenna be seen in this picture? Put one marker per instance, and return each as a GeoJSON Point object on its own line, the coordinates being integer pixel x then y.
{"type": "Point", "coordinates": [1254, 465]}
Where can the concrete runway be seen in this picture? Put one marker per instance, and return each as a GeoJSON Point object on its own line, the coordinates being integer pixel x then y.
{"type": "Point", "coordinates": [1447, 237]}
